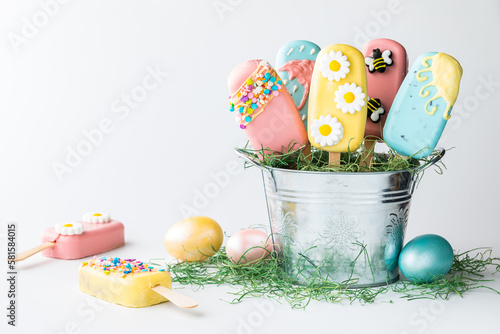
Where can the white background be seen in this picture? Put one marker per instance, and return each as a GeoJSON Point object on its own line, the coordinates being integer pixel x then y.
{"type": "Point", "coordinates": [68, 75]}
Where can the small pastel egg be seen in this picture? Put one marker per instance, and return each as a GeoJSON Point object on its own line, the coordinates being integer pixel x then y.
{"type": "Point", "coordinates": [194, 239]}
{"type": "Point", "coordinates": [426, 258]}
{"type": "Point", "coordinates": [249, 246]}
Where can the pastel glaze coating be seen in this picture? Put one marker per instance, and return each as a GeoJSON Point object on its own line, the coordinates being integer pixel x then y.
{"type": "Point", "coordinates": [423, 104]}
{"type": "Point", "coordinates": [95, 239]}
{"type": "Point", "coordinates": [295, 63]}
{"type": "Point", "coordinates": [116, 284]}
{"type": "Point", "coordinates": [279, 124]}
{"type": "Point", "coordinates": [385, 85]}
{"type": "Point", "coordinates": [323, 106]}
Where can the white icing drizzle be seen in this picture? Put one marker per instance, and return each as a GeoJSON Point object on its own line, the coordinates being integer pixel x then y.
{"type": "Point", "coordinates": [302, 47]}
{"type": "Point", "coordinates": [313, 51]}
{"type": "Point", "coordinates": [304, 117]}
{"type": "Point", "coordinates": [285, 82]}
{"type": "Point", "coordinates": [290, 51]}
{"type": "Point", "coordinates": [295, 88]}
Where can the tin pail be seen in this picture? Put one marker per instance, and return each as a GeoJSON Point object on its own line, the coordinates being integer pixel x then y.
{"type": "Point", "coordinates": [346, 228]}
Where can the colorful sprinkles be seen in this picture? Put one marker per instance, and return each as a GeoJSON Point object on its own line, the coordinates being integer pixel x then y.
{"type": "Point", "coordinates": [252, 97]}
{"type": "Point", "coordinates": [123, 267]}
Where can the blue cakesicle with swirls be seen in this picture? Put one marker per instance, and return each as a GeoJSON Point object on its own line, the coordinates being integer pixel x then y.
{"type": "Point", "coordinates": [295, 64]}
{"type": "Point", "coordinates": [423, 105]}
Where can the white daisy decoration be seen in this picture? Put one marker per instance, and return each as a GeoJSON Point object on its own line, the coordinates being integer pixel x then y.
{"type": "Point", "coordinates": [96, 217]}
{"type": "Point", "coordinates": [349, 98]}
{"type": "Point", "coordinates": [334, 65]}
{"type": "Point", "coordinates": [69, 228]}
{"type": "Point", "coordinates": [327, 131]}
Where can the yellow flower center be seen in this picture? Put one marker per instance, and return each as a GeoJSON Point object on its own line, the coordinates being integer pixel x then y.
{"type": "Point", "coordinates": [349, 97]}
{"type": "Point", "coordinates": [334, 65]}
{"type": "Point", "coordinates": [68, 225]}
{"type": "Point", "coordinates": [325, 130]}
{"type": "Point", "coordinates": [97, 215]}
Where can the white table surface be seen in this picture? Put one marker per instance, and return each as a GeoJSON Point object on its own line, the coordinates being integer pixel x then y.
{"type": "Point", "coordinates": [66, 77]}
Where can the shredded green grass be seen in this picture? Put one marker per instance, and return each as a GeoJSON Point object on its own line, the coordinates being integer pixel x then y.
{"type": "Point", "coordinates": [317, 160]}
{"type": "Point", "coordinates": [267, 278]}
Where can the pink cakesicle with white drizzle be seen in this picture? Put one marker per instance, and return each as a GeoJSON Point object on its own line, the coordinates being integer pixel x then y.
{"type": "Point", "coordinates": [95, 234]}
{"type": "Point", "coordinates": [264, 108]}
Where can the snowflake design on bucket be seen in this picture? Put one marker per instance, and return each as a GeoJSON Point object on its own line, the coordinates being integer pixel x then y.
{"type": "Point", "coordinates": [284, 225]}
{"type": "Point", "coordinates": [395, 232]}
{"type": "Point", "coordinates": [342, 234]}
{"type": "Point", "coordinates": [397, 226]}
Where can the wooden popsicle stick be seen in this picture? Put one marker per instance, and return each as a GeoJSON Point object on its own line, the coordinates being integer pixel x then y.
{"type": "Point", "coordinates": [175, 297]}
{"type": "Point", "coordinates": [26, 254]}
{"type": "Point", "coordinates": [307, 151]}
{"type": "Point", "coordinates": [367, 153]}
{"type": "Point", "coordinates": [334, 158]}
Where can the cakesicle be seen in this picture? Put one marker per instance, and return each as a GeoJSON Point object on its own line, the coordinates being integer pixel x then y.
{"type": "Point", "coordinates": [423, 105]}
{"type": "Point", "coordinates": [264, 108]}
{"type": "Point", "coordinates": [337, 100]}
{"type": "Point", "coordinates": [128, 282]}
{"type": "Point", "coordinates": [97, 233]}
{"type": "Point", "coordinates": [386, 68]}
{"type": "Point", "coordinates": [295, 63]}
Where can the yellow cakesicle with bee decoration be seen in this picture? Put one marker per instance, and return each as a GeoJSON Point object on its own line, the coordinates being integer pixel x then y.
{"type": "Point", "coordinates": [337, 100]}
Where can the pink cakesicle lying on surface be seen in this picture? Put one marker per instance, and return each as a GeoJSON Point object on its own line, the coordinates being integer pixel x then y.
{"type": "Point", "coordinates": [386, 68]}
{"type": "Point", "coordinates": [264, 108]}
{"type": "Point", "coordinates": [97, 233]}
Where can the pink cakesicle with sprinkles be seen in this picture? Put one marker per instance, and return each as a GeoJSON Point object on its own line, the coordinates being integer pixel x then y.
{"type": "Point", "coordinates": [264, 108]}
{"type": "Point", "coordinates": [95, 234]}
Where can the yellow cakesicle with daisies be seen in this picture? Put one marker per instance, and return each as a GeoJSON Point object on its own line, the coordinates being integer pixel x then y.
{"type": "Point", "coordinates": [337, 99]}
{"type": "Point", "coordinates": [127, 282]}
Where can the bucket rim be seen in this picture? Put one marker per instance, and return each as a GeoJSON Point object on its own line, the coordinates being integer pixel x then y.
{"type": "Point", "coordinates": [414, 171]}
{"type": "Point", "coordinates": [399, 171]}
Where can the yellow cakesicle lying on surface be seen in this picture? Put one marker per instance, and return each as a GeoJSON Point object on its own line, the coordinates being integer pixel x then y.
{"type": "Point", "coordinates": [337, 99]}
{"type": "Point", "coordinates": [128, 282]}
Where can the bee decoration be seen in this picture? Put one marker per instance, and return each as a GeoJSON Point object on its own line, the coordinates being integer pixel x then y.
{"type": "Point", "coordinates": [375, 110]}
{"type": "Point", "coordinates": [379, 61]}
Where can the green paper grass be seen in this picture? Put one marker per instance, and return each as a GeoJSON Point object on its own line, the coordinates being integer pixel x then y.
{"type": "Point", "coordinates": [352, 162]}
{"type": "Point", "coordinates": [268, 279]}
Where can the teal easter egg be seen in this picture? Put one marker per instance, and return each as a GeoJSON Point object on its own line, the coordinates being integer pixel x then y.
{"type": "Point", "coordinates": [426, 258]}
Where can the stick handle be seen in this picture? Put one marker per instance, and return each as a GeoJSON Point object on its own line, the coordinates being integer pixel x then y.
{"type": "Point", "coordinates": [367, 153]}
{"type": "Point", "coordinates": [26, 254]}
{"type": "Point", "coordinates": [334, 158]}
{"type": "Point", "coordinates": [175, 297]}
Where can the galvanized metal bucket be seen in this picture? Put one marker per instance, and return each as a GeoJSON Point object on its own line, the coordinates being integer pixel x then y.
{"type": "Point", "coordinates": [346, 228]}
